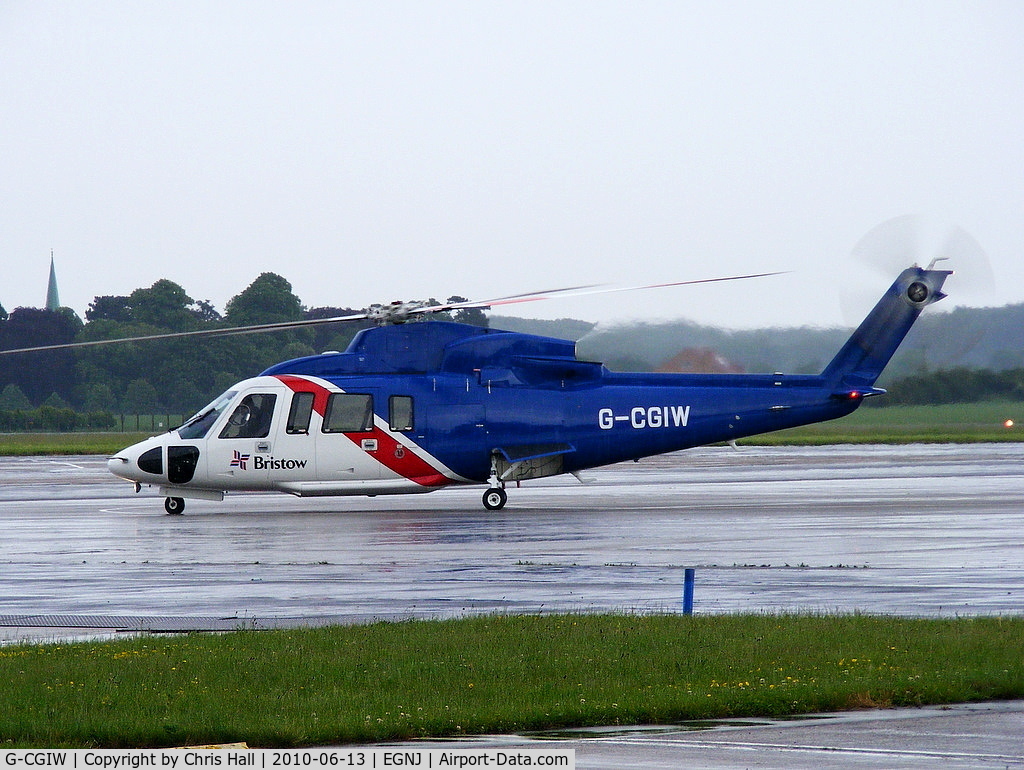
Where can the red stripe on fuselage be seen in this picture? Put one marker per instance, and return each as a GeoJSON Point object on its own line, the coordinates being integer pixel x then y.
{"type": "Point", "coordinates": [402, 460]}
{"type": "Point", "coordinates": [390, 452]}
{"type": "Point", "coordinates": [300, 385]}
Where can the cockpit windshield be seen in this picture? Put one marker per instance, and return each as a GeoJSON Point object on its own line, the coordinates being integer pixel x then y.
{"type": "Point", "coordinates": [197, 425]}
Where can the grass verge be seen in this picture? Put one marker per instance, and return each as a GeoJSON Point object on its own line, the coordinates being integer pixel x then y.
{"type": "Point", "coordinates": [950, 423]}
{"type": "Point", "coordinates": [935, 424]}
{"type": "Point", "coordinates": [38, 444]}
{"type": "Point", "coordinates": [492, 674]}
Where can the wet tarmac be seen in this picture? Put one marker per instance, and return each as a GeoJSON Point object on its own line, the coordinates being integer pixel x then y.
{"type": "Point", "coordinates": [980, 735]}
{"type": "Point", "coordinates": [915, 530]}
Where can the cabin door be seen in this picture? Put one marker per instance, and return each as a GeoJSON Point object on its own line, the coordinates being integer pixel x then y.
{"type": "Point", "coordinates": [347, 444]}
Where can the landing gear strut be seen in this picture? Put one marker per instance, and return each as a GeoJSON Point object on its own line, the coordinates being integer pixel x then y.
{"type": "Point", "coordinates": [174, 506]}
{"type": "Point", "coordinates": [495, 497]}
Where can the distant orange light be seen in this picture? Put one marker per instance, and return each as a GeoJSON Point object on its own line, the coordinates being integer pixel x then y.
{"type": "Point", "coordinates": [1008, 424]}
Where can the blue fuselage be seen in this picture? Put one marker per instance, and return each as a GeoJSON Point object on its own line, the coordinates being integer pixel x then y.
{"type": "Point", "coordinates": [477, 392]}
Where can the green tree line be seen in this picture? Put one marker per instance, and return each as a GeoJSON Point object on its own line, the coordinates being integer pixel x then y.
{"type": "Point", "coordinates": [954, 386]}
{"type": "Point", "coordinates": [146, 377]}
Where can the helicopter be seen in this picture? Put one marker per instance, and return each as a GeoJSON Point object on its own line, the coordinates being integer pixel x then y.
{"type": "Point", "coordinates": [417, 407]}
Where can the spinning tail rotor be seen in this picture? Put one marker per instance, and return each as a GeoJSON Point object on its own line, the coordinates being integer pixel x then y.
{"type": "Point", "coordinates": [914, 239]}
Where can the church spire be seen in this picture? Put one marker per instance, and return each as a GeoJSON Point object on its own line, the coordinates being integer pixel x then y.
{"type": "Point", "coordinates": [52, 297]}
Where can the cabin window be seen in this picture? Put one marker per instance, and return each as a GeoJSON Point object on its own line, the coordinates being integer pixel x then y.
{"type": "Point", "coordinates": [300, 413]}
{"type": "Point", "coordinates": [348, 413]}
{"type": "Point", "coordinates": [400, 413]}
{"type": "Point", "coordinates": [251, 418]}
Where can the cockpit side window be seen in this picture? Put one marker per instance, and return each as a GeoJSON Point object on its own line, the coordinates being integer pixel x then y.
{"type": "Point", "coordinates": [197, 425]}
{"type": "Point", "coordinates": [252, 417]}
{"type": "Point", "coordinates": [348, 413]}
{"type": "Point", "coordinates": [300, 413]}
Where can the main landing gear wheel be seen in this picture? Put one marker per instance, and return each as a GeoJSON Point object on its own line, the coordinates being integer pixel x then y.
{"type": "Point", "coordinates": [495, 499]}
{"type": "Point", "coordinates": [174, 506]}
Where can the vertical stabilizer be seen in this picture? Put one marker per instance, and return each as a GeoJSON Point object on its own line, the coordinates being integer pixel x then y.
{"type": "Point", "coordinates": [867, 352]}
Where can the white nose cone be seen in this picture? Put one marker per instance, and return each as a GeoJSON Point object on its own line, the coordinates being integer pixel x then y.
{"type": "Point", "coordinates": [142, 462]}
{"type": "Point", "coordinates": [120, 466]}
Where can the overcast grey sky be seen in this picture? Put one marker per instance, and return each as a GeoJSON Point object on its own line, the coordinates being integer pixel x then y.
{"type": "Point", "coordinates": [371, 151]}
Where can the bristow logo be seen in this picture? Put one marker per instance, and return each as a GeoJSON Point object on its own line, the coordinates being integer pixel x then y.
{"type": "Point", "coordinates": [261, 463]}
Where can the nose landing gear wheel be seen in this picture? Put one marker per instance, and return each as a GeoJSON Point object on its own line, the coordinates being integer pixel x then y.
{"type": "Point", "coordinates": [495, 499]}
{"type": "Point", "coordinates": [174, 506]}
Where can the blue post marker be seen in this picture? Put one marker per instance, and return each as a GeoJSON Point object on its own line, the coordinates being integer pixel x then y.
{"type": "Point", "coordinates": [688, 591]}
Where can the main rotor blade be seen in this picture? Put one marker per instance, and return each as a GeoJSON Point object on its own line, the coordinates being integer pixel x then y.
{"type": "Point", "coordinates": [681, 283]}
{"type": "Point", "coordinates": [534, 296]}
{"type": "Point", "coordinates": [284, 325]}
{"type": "Point", "coordinates": [224, 332]}
{"type": "Point", "coordinates": [577, 291]}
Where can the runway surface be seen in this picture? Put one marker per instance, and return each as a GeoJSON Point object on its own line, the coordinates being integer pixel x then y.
{"type": "Point", "coordinates": [981, 735]}
{"type": "Point", "coordinates": [912, 530]}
